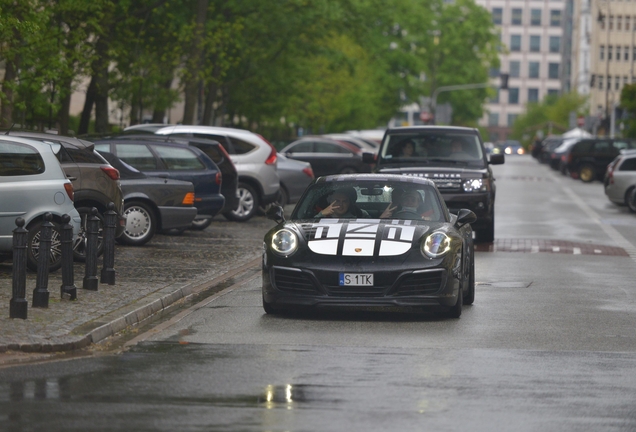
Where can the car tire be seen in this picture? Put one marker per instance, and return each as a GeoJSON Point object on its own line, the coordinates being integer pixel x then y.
{"type": "Point", "coordinates": [33, 245]}
{"type": "Point", "coordinates": [247, 206]}
{"type": "Point", "coordinates": [141, 223]}
{"type": "Point", "coordinates": [201, 222]}
{"type": "Point", "coordinates": [456, 310]}
{"type": "Point", "coordinates": [631, 201]}
{"type": "Point", "coordinates": [487, 234]}
{"type": "Point", "coordinates": [469, 298]}
{"type": "Point", "coordinates": [269, 308]}
{"type": "Point", "coordinates": [79, 246]}
{"type": "Point", "coordinates": [587, 173]}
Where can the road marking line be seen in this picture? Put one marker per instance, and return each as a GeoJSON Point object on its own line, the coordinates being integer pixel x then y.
{"type": "Point", "coordinates": [555, 248]}
{"type": "Point", "coordinates": [534, 249]}
{"type": "Point", "coordinates": [576, 251]}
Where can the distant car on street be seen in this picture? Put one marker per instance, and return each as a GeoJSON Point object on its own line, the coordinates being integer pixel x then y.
{"type": "Point", "coordinates": [589, 157]}
{"type": "Point", "coordinates": [152, 204]}
{"type": "Point", "coordinates": [328, 156]}
{"type": "Point", "coordinates": [511, 147]}
{"type": "Point", "coordinates": [32, 183]}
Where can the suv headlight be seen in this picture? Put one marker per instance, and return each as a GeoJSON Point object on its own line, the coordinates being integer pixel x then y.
{"type": "Point", "coordinates": [436, 245]}
{"type": "Point", "coordinates": [284, 242]}
{"type": "Point", "coordinates": [474, 185]}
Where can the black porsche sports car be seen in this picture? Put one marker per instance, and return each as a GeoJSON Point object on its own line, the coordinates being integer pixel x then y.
{"type": "Point", "coordinates": [369, 240]}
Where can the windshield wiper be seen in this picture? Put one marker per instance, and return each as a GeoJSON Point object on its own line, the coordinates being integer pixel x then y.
{"type": "Point", "coordinates": [448, 161]}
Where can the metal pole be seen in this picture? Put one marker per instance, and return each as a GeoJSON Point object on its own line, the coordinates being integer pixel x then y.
{"type": "Point", "coordinates": [68, 282]}
{"type": "Point", "coordinates": [92, 228]}
{"type": "Point", "coordinates": [41, 292]}
{"type": "Point", "coordinates": [18, 304]}
{"type": "Point", "coordinates": [110, 223]}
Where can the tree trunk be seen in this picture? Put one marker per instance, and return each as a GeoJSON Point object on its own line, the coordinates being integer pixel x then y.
{"type": "Point", "coordinates": [208, 111]}
{"type": "Point", "coordinates": [194, 64]}
{"type": "Point", "coordinates": [85, 118]}
{"type": "Point", "coordinates": [100, 72]}
{"type": "Point", "coordinates": [159, 113]}
{"type": "Point", "coordinates": [6, 109]}
{"type": "Point", "coordinates": [63, 115]}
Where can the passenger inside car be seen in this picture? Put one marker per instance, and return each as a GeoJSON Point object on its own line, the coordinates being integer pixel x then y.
{"type": "Point", "coordinates": [408, 205]}
{"type": "Point", "coordinates": [342, 204]}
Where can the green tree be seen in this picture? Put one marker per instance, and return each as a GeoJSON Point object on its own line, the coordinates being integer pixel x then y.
{"type": "Point", "coordinates": [628, 103]}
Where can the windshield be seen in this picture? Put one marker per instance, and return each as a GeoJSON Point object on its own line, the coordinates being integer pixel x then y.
{"type": "Point", "coordinates": [371, 200]}
{"type": "Point", "coordinates": [431, 147]}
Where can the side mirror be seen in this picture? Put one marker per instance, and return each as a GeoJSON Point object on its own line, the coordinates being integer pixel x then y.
{"type": "Point", "coordinates": [465, 216]}
{"type": "Point", "coordinates": [275, 213]}
{"type": "Point", "coordinates": [369, 158]}
{"type": "Point", "coordinates": [496, 159]}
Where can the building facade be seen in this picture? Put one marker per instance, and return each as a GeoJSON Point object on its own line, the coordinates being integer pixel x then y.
{"type": "Point", "coordinates": [533, 33]}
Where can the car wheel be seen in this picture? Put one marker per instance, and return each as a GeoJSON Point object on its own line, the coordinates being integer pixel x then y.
{"type": "Point", "coordinates": [469, 298]}
{"type": "Point", "coordinates": [631, 201]}
{"type": "Point", "coordinates": [201, 222]}
{"type": "Point", "coordinates": [587, 173]}
{"type": "Point", "coordinates": [456, 311]}
{"type": "Point", "coordinates": [628, 193]}
{"type": "Point", "coordinates": [486, 235]}
{"type": "Point", "coordinates": [247, 206]}
{"type": "Point", "coordinates": [33, 247]}
{"type": "Point", "coordinates": [269, 308]}
{"type": "Point", "coordinates": [79, 246]}
{"type": "Point", "coordinates": [141, 223]}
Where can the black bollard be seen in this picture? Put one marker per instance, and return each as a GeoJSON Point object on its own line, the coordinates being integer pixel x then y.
{"type": "Point", "coordinates": [92, 230]}
{"type": "Point", "coordinates": [68, 277]}
{"type": "Point", "coordinates": [110, 223]}
{"type": "Point", "coordinates": [18, 303]}
{"type": "Point", "coordinates": [41, 292]}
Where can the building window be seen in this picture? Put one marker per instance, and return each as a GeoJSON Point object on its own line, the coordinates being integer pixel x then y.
{"type": "Point", "coordinates": [553, 70]}
{"type": "Point", "coordinates": [634, 54]}
{"type": "Point", "coordinates": [515, 43]}
{"type": "Point", "coordinates": [535, 17]}
{"type": "Point", "coordinates": [533, 69]}
{"type": "Point", "coordinates": [618, 53]}
{"type": "Point", "coordinates": [533, 95]}
{"type": "Point", "coordinates": [619, 23]}
{"type": "Point", "coordinates": [611, 22]}
{"type": "Point", "coordinates": [617, 82]}
{"type": "Point", "coordinates": [610, 48]}
{"type": "Point", "coordinates": [555, 44]}
{"type": "Point", "coordinates": [513, 95]}
{"type": "Point", "coordinates": [493, 72]}
{"type": "Point", "coordinates": [514, 69]}
{"type": "Point", "coordinates": [497, 13]}
{"type": "Point", "coordinates": [493, 119]}
{"type": "Point", "coordinates": [535, 43]}
{"type": "Point", "coordinates": [600, 82]}
{"type": "Point", "coordinates": [626, 53]}
{"type": "Point", "coordinates": [601, 52]}
{"type": "Point", "coordinates": [511, 119]}
{"type": "Point", "coordinates": [627, 22]}
{"type": "Point", "coordinates": [625, 80]}
{"type": "Point", "coordinates": [553, 92]}
{"type": "Point", "coordinates": [517, 17]}
{"type": "Point", "coordinates": [609, 82]}
{"type": "Point", "coordinates": [555, 18]}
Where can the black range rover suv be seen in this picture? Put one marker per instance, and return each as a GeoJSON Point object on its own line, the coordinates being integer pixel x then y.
{"type": "Point", "coordinates": [454, 158]}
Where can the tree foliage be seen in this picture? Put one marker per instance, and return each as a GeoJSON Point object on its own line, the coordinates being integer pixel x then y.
{"type": "Point", "coordinates": [628, 103]}
{"type": "Point", "coordinates": [270, 65]}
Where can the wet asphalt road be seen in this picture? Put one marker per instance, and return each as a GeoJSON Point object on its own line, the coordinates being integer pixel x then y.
{"type": "Point", "coordinates": [549, 345]}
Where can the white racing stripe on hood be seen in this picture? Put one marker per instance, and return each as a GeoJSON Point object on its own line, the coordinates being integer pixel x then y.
{"type": "Point", "coordinates": [360, 237]}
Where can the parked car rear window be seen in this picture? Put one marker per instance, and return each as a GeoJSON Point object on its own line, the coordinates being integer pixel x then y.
{"type": "Point", "coordinates": [84, 156]}
{"type": "Point", "coordinates": [18, 160]}
{"type": "Point", "coordinates": [240, 146]}
{"type": "Point", "coordinates": [138, 156]}
{"type": "Point", "coordinates": [179, 159]}
{"type": "Point", "coordinates": [628, 165]}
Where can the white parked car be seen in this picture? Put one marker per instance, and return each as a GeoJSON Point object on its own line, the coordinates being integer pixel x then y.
{"type": "Point", "coordinates": [32, 183]}
{"type": "Point", "coordinates": [255, 161]}
{"type": "Point", "coordinates": [620, 179]}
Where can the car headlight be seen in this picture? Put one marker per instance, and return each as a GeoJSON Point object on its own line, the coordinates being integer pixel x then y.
{"type": "Point", "coordinates": [474, 185]}
{"type": "Point", "coordinates": [284, 242]}
{"type": "Point", "coordinates": [436, 245]}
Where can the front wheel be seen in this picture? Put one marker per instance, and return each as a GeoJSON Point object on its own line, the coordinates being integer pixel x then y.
{"type": "Point", "coordinates": [469, 298]}
{"type": "Point", "coordinates": [247, 206]}
{"type": "Point", "coordinates": [456, 311]}
{"type": "Point", "coordinates": [587, 173]}
{"type": "Point", "coordinates": [141, 223]}
{"type": "Point", "coordinates": [33, 247]}
{"type": "Point", "coordinates": [201, 222]}
{"type": "Point", "coordinates": [79, 246]}
{"type": "Point", "coordinates": [631, 201]}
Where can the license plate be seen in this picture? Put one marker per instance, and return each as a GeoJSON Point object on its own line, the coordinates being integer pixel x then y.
{"type": "Point", "coordinates": [356, 279]}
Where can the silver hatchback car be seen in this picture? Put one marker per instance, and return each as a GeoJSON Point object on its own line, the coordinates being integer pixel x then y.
{"type": "Point", "coordinates": [620, 179]}
{"type": "Point", "coordinates": [32, 183]}
{"type": "Point", "coordinates": [255, 161]}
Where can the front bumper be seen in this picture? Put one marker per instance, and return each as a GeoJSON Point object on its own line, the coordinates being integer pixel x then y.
{"type": "Point", "coordinates": [480, 203]}
{"type": "Point", "coordinates": [290, 286]}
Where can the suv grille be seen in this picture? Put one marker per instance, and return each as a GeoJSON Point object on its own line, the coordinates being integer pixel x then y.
{"type": "Point", "coordinates": [447, 184]}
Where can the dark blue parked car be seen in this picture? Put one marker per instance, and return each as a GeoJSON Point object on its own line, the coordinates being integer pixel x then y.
{"type": "Point", "coordinates": [175, 161]}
